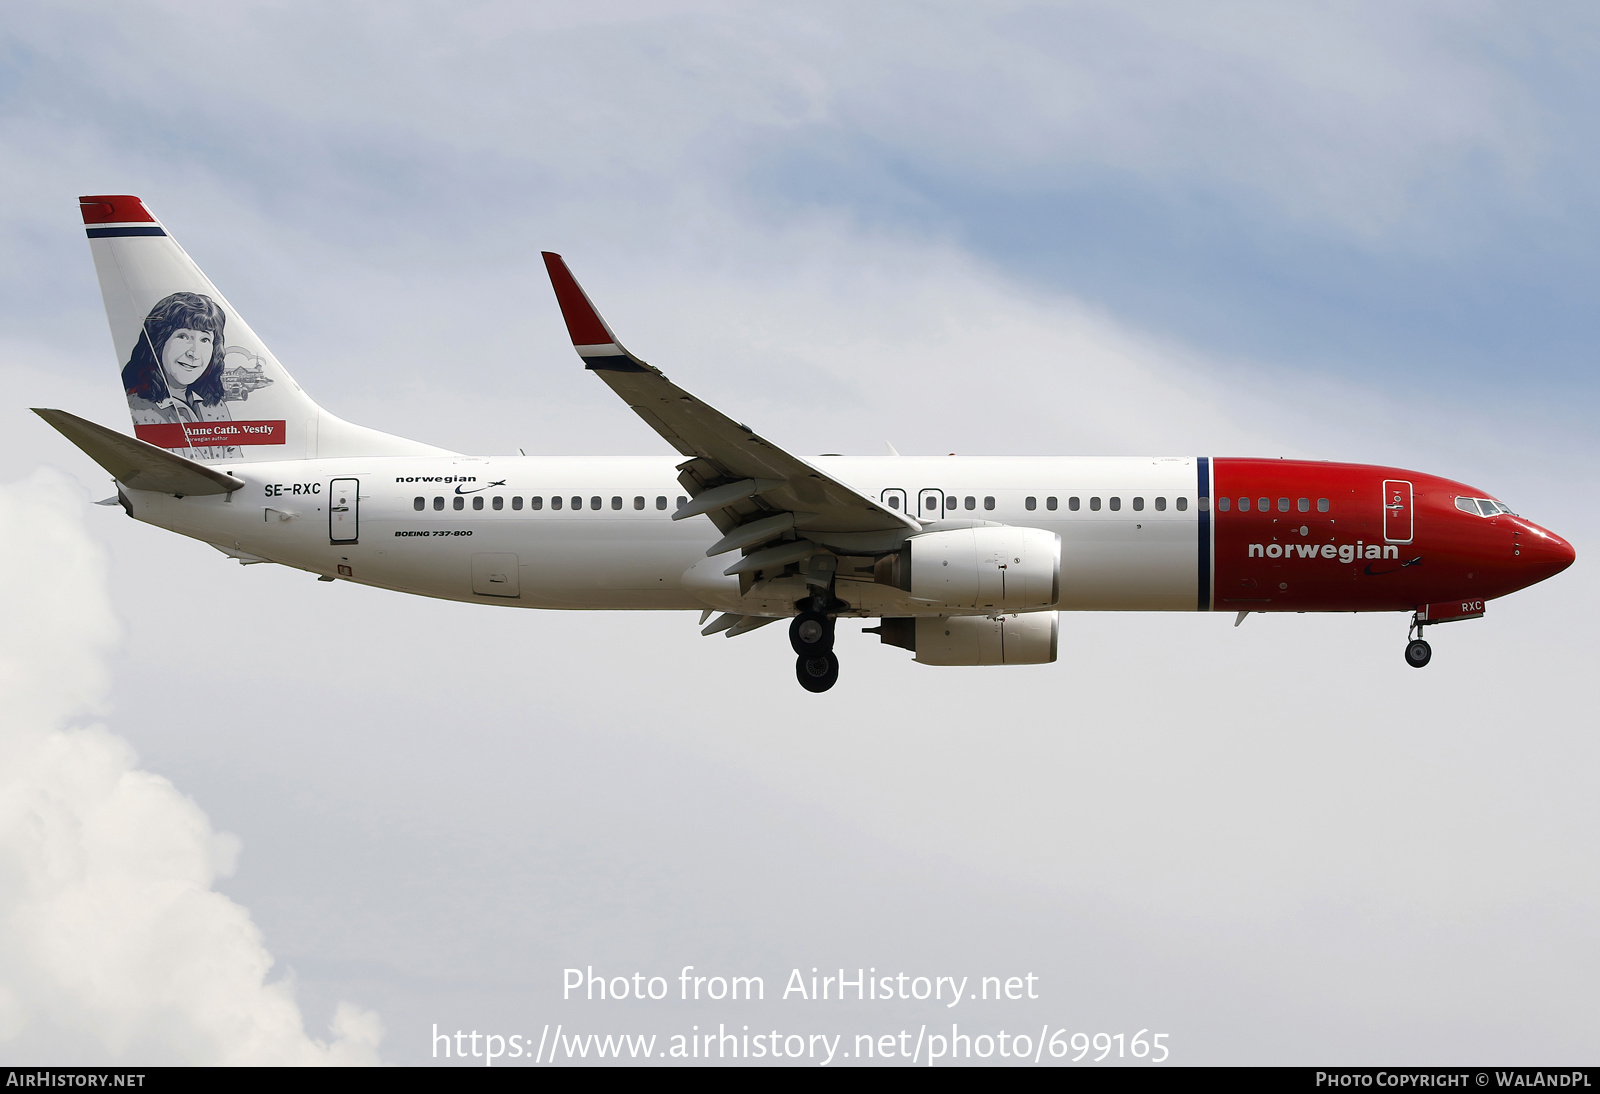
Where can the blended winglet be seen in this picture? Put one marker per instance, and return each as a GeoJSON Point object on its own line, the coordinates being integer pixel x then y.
{"type": "Point", "coordinates": [591, 337]}
{"type": "Point", "coordinates": [136, 464]}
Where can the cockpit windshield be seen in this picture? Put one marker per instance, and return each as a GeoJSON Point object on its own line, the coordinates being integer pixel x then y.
{"type": "Point", "coordinates": [1483, 507]}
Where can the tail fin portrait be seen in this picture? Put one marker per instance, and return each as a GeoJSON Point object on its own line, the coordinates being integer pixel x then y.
{"type": "Point", "coordinates": [198, 380]}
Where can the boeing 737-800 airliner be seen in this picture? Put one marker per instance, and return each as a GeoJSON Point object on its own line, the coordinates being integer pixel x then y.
{"type": "Point", "coordinates": [963, 560]}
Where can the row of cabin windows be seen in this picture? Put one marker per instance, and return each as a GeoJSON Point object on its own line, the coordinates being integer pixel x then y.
{"type": "Point", "coordinates": [596, 502]}
{"type": "Point", "coordinates": [1051, 503]}
{"type": "Point", "coordinates": [1264, 505]}
{"type": "Point", "coordinates": [1113, 504]}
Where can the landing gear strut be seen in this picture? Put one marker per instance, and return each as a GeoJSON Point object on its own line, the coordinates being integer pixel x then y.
{"type": "Point", "coordinates": [811, 635]}
{"type": "Point", "coordinates": [1418, 652]}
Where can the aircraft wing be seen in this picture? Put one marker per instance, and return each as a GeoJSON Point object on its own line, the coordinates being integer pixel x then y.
{"type": "Point", "coordinates": [754, 491]}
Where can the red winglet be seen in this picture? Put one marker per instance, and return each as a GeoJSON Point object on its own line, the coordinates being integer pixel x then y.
{"type": "Point", "coordinates": [583, 322]}
{"type": "Point", "coordinates": [114, 209]}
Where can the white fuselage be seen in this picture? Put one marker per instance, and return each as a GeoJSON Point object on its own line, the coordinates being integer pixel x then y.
{"type": "Point", "coordinates": [597, 532]}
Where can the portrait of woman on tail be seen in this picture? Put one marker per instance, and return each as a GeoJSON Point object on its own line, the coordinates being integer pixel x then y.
{"type": "Point", "coordinates": [174, 376]}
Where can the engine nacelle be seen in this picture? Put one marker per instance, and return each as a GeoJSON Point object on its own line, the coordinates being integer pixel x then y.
{"type": "Point", "coordinates": [994, 567]}
{"type": "Point", "coordinates": [1028, 639]}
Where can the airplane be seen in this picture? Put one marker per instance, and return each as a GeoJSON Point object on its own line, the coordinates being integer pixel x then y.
{"type": "Point", "coordinates": [960, 560]}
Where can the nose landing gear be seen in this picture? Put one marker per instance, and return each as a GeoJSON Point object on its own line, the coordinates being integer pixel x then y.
{"type": "Point", "coordinates": [1418, 652]}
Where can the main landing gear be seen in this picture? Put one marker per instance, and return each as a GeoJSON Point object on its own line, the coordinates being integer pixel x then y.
{"type": "Point", "coordinates": [811, 634]}
{"type": "Point", "coordinates": [1418, 652]}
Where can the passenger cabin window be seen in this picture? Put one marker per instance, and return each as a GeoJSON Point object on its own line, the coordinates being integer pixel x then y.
{"type": "Point", "coordinates": [555, 503]}
{"type": "Point", "coordinates": [1264, 504]}
{"type": "Point", "coordinates": [1116, 505]}
{"type": "Point", "coordinates": [419, 504]}
{"type": "Point", "coordinates": [1244, 505]}
{"type": "Point", "coordinates": [661, 501]}
{"type": "Point", "coordinates": [1202, 504]}
{"type": "Point", "coordinates": [1183, 504]}
{"type": "Point", "coordinates": [1222, 505]}
{"type": "Point", "coordinates": [682, 501]}
{"type": "Point", "coordinates": [477, 502]}
{"type": "Point", "coordinates": [458, 503]}
{"type": "Point", "coordinates": [1050, 504]}
{"type": "Point", "coordinates": [1161, 505]}
{"type": "Point", "coordinates": [516, 502]}
{"type": "Point", "coordinates": [1304, 505]}
{"type": "Point", "coordinates": [438, 503]}
{"type": "Point", "coordinates": [577, 503]}
{"type": "Point", "coordinates": [1030, 504]}
{"type": "Point", "coordinates": [1283, 505]}
{"type": "Point", "coordinates": [595, 503]}
{"type": "Point", "coordinates": [1138, 505]}
{"type": "Point", "coordinates": [988, 503]}
{"type": "Point", "coordinates": [638, 503]}
{"type": "Point", "coordinates": [1072, 503]}
{"type": "Point", "coordinates": [616, 503]}
{"type": "Point", "coordinates": [971, 502]}
{"type": "Point", "coordinates": [1322, 505]}
{"type": "Point", "coordinates": [1094, 505]}
{"type": "Point", "coordinates": [499, 503]}
{"type": "Point", "coordinates": [894, 501]}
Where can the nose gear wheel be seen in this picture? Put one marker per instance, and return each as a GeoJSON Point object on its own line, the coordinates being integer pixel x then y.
{"type": "Point", "coordinates": [1418, 653]}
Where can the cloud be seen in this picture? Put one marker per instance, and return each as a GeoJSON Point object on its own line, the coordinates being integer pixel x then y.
{"type": "Point", "coordinates": [114, 945]}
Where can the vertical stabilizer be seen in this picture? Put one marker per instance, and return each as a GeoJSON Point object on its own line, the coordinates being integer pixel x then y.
{"type": "Point", "coordinates": [198, 380]}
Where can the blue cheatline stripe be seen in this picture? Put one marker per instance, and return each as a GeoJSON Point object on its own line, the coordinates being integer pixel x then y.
{"type": "Point", "coordinates": [142, 230]}
{"type": "Point", "coordinates": [1204, 505]}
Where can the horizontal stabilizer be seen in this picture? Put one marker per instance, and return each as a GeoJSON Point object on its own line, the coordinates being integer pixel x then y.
{"type": "Point", "coordinates": [135, 464]}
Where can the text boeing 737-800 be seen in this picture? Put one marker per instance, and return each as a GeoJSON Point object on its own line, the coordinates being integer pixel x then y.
{"type": "Point", "coordinates": [964, 560]}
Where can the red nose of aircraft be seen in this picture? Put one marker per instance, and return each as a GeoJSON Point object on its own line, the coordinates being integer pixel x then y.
{"type": "Point", "coordinates": [1541, 552]}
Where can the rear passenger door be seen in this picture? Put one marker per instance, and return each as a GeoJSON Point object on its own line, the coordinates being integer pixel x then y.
{"type": "Point", "coordinates": [344, 511]}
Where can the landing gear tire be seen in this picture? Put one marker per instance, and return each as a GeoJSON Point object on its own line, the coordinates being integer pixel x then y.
{"type": "Point", "coordinates": [817, 671]}
{"type": "Point", "coordinates": [1418, 653]}
{"type": "Point", "coordinates": [811, 634]}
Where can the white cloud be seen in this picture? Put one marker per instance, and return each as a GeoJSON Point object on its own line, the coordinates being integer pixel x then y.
{"type": "Point", "coordinates": [114, 945]}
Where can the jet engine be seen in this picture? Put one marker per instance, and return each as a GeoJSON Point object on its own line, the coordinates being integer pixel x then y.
{"type": "Point", "coordinates": [994, 567]}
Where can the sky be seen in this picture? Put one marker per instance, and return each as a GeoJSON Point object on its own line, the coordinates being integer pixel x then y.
{"type": "Point", "coordinates": [250, 817]}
